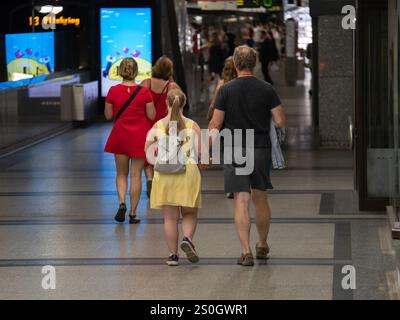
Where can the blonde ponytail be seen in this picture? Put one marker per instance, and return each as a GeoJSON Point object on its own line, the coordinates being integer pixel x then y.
{"type": "Point", "coordinates": [176, 100]}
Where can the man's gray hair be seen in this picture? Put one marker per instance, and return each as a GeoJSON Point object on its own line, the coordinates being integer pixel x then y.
{"type": "Point", "coordinates": [245, 58]}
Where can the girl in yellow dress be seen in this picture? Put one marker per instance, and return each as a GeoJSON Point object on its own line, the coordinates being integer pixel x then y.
{"type": "Point", "coordinates": [178, 193]}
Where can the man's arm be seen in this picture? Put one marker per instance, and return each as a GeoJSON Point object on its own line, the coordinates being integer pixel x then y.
{"type": "Point", "coordinates": [278, 115]}
{"type": "Point", "coordinates": [217, 120]}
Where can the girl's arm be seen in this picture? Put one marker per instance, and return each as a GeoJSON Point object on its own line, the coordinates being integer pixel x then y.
{"type": "Point", "coordinates": [151, 144]}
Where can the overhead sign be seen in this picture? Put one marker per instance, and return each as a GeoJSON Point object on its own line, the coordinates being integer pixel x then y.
{"type": "Point", "coordinates": [248, 3]}
{"type": "Point", "coordinates": [62, 21]}
{"type": "Point", "coordinates": [217, 5]}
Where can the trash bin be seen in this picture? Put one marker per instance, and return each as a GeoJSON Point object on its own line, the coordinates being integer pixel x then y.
{"type": "Point", "coordinates": [79, 101]}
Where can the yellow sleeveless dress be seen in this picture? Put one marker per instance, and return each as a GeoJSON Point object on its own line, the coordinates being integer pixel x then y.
{"type": "Point", "coordinates": [181, 190]}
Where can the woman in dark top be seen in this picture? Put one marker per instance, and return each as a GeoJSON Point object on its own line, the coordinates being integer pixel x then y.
{"type": "Point", "coordinates": [216, 60]}
{"type": "Point", "coordinates": [268, 53]}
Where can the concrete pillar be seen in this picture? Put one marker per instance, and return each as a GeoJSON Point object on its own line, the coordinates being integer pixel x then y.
{"type": "Point", "coordinates": [335, 56]}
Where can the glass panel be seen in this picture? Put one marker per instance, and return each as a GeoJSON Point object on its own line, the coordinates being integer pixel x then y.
{"type": "Point", "coordinates": [380, 138]}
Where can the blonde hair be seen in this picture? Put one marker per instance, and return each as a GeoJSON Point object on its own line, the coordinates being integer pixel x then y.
{"type": "Point", "coordinates": [229, 73]}
{"type": "Point", "coordinates": [163, 68]}
{"type": "Point", "coordinates": [128, 69]}
{"type": "Point", "coordinates": [176, 101]}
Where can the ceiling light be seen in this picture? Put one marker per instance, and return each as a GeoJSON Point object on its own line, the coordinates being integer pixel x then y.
{"type": "Point", "coordinates": [50, 9]}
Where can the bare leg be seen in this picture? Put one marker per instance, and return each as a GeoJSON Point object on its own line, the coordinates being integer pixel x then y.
{"type": "Point", "coordinates": [171, 231]}
{"type": "Point", "coordinates": [149, 173]}
{"type": "Point", "coordinates": [189, 222]}
{"type": "Point", "coordinates": [242, 220]}
{"type": "Point", "coordinates": [136, 184]}
{"type": "Point", "coordinates": [122, 164]}
{"type": "Point", "coordinates": [263, 216]}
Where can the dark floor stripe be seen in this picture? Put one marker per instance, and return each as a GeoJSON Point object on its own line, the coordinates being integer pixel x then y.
{"type": "Point", "coordinates": [161, 261]}
{"type": "Point", "coordinates": [51, 221]}
{"type": "Point", "coordinates": [342, 251]}
{"type": "Point", "coordinates": [114, 193]}
{"type": "Point", "coordinates": [327, 204]}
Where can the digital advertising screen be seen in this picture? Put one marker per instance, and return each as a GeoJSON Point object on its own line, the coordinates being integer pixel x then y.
{"type": "Point", "coordinates": [125, 32]}
{"type": "Point", "coordinates": [29, 55]}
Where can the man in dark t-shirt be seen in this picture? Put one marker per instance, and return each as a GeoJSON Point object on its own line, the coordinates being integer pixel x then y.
{"type": "Point", "coordinates": [248, 103]}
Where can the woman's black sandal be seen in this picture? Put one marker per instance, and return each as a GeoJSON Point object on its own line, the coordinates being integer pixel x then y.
{"type": "Point", "coordinates": [133, 220]}
{"type": "Point", "coordinates": [120, 216]}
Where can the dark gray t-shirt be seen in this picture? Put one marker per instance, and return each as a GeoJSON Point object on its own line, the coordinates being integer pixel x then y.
{"type": "Point", "coordinates": [247, 103]}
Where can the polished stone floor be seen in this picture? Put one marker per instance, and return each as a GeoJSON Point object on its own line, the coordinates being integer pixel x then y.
{"type": "Point", "coordinates": [58, 198]}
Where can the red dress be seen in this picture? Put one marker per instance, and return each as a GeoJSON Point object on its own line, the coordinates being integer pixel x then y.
{"type": "Point", "coordinates": [160, 102]}
{"type": "Point", "coordinates": [128, 136]}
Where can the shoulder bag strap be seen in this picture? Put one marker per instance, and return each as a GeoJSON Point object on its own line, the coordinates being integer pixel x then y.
{"type": "Point", "coordinates": [127, 103]}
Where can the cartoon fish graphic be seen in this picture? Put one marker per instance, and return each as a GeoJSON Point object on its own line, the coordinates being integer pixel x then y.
{"type": "Point", "coordinates": [19, 54]}
{"type": "Point", "coordinates": [37, 54]}
{"type": "Point", "coordinates": [29, 51]}
{"type": "Point", "coordinates": [126, 50]}
{"type": "Point", "coordinates": [118, 53]}
{"type": "Point", "coordinates": [136, 54]}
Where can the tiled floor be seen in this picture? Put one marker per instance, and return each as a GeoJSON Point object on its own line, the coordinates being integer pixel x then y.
{"type": "Point", "coordinates": [57, 201]}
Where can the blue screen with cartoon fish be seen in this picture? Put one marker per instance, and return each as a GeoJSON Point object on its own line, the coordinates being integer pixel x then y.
{"type": "Point", "coordinates": [29, 55]}
{"type": "Point", "coordinates": [125, 32]}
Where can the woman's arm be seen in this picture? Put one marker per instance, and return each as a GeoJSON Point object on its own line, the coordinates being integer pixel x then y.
{"type": "Point", "coordinates": [145, 83]}
{"type": "Point", "coordinates": [211, 108]}
{"type": "Point", "coordinates": [108, 111]}
{"type": "Point", "coordinates": [150, 111]}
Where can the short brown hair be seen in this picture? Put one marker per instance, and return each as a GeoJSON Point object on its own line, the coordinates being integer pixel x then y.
{"type": "Point", "coordinates": [128, 69]}
{"type": "Point", "coordinates": [245, 58]}
{"type": "Point", "coordinates": [163, 68]}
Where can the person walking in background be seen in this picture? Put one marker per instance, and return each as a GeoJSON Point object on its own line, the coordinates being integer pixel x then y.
{"type": "Point", "coordinates": [309, 56]}
{"type": "Point", "coordinates": [258, 35]}
{"type": "Point", "coordinates": [231, 38]}
{"type": "Point", "coordinates": [131, 107]}
{"type": "Point", "coordinates": [159, 85]}
{"type": "Point", "coordinates": [249, 103]}
{"type": "Point", "coordinates": [250, 41]}
{"type": "Point", "coordinates": [268, 53]}
{"type": "Point", "coordinates": [216, 59]}
{"type": "Point", "coordinates": [177, 193]}
{"type": "Point", "coordinates": [276, 35]}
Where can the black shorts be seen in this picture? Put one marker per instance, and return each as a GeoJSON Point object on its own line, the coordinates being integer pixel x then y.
{"type": "Point", "coordinates": [259, 179]}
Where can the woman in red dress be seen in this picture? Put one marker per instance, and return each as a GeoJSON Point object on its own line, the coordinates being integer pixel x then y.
{"type": "Point", "coordinates": [128, 136]}
{"type": "Point", "coordinates": [159, 85]}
